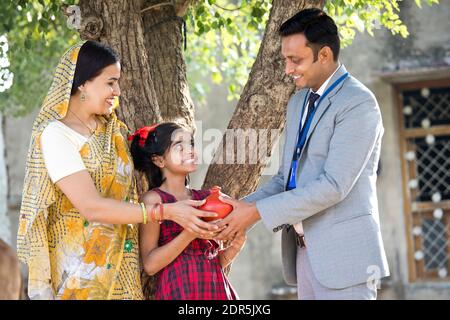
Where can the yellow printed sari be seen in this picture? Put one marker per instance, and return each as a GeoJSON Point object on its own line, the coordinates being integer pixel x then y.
{"type": "Point", "coordinates": [68, 257]}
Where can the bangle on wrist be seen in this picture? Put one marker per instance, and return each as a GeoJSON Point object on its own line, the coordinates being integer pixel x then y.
{"type": "Point", "coordinates": [153, 213]}
{"type": "Point", "coordinates": [158, 217]}
{"type": "Point", "coordinates": [161, 211]}
{"type": "Point", "coordinates": [144, 213]}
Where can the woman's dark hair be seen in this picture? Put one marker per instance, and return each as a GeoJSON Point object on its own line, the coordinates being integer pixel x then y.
{"type": "Point", "coordinates": [92, 59]}
{"type": "Point", "coordinates": [318, 28]}
{"type": "Point", "coordinates": [156, 144]}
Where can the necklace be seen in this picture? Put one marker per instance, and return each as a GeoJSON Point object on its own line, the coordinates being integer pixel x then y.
{"type": "Point", "coordinates": [91, 131]}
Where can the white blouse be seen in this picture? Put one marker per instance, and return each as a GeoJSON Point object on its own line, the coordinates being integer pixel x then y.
{"type": "Point", "coordinates": [61, 147]}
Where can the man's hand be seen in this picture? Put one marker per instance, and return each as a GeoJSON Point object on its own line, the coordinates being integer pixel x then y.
{"type": "Point", "coordinates": [244, 215]}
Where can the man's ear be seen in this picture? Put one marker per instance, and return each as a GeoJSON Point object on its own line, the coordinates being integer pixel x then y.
{"type": "Point", "coordinates": [158, 161]}
{"type": "Point", "coordinates": [325, 54]}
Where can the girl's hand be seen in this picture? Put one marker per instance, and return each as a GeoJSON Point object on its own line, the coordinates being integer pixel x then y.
{"type": "Point", "coordinates": [238, 242]}
{"type": "Point", "coordinates": [233, 249]}
{"type": "Point", "coordinates": [211, 235]}
{"type": "Point", "coordinates": [189, 217]}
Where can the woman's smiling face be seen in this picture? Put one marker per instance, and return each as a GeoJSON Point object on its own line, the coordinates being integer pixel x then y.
{"type": "Point", "coordinates": [102, 90]}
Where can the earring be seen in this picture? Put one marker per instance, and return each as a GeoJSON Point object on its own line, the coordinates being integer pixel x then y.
{"type": "Point", "coordinates": [83, 97]}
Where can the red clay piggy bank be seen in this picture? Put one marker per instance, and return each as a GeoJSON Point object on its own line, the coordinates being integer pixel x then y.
{"type": "Point", "coordinates": [213, 204]}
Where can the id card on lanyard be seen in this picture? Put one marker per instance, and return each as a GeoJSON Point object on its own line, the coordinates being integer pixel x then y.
{"type": "Point", "coordinates": [303, 132]}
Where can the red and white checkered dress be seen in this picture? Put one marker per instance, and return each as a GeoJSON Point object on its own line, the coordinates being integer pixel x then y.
{"type": "Point", "coordinates": [191, 276]}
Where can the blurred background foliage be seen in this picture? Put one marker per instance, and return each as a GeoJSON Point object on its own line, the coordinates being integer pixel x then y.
{"type": "Point", "coordinates": [223, 39]}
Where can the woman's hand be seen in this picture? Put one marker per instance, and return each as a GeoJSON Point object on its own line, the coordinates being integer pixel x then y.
{"type": "Point", "coordinates": [189, 217]}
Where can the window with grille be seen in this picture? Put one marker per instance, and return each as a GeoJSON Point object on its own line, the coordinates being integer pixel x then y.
{"type": "Point", "coordinates": [424, 110]}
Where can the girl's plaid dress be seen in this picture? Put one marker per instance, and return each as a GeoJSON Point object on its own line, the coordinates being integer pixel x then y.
{"type": "Point", "coordinates": [192, 275]}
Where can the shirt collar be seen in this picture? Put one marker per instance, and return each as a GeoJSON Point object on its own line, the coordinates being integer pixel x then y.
{"type": "Point", "coordinates": [325, 84]}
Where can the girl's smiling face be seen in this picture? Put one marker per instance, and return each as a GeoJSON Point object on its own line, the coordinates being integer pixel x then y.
{"type": "Point", "coordinates": [181, 156]}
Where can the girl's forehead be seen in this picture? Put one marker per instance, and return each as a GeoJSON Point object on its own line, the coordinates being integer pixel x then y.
{"type": "Point", "coordinates": [181, 134]}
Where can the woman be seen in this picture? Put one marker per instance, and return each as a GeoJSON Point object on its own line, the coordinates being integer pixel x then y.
{"type": "Point", "coordinates": [77, 230]}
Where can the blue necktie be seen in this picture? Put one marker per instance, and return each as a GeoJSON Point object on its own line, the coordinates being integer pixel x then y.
{"type": "Point", "coordinates": [313, 97]}
{"type": "Point", "coordinates": [311, 100]}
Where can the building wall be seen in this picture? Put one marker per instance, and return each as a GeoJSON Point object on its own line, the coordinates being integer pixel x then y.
{"type": "Point", "coordinates": [5, 225]}
{"type": "Point", "coordinates": [17, 138]}
{"type": "Point", "coordinates": [365, 59]}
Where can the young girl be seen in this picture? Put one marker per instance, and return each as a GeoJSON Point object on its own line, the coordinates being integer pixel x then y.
{"type": "Point", "coordinates": [186, 267]}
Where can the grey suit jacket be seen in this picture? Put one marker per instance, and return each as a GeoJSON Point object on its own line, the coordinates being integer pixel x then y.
{"type": "Point", "coordinates": [336, 195]}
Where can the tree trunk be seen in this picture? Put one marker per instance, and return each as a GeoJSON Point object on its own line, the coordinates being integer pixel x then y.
{"type": "Point", "coordinates": [118, 23]}
{"type": "Point", "coordinates": [262, 105]}
{"type": "Point", "coordinates": [163, 36]}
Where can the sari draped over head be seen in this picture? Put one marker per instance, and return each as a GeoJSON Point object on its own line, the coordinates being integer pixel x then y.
{"type": "Point", "coordinates": [67, 256]}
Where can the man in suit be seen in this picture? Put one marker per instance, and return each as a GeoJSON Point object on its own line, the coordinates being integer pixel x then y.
{"type": "Point", "coordinates": [324, 196]}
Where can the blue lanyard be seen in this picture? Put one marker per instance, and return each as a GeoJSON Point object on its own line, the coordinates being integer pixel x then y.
{"type": "Point", "coordinates": [303, 132]}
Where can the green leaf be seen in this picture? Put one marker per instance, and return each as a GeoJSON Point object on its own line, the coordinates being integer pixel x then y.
{"type": "Point", "coordinates": [257, 12]}
{"type": "Point", "coordinates": [44, 24]}
{"type": "Point", "coordinates": [28, 43]}
{"type": "Point", "coordinates": [216, 77]}
{"type": "Point", "coordinates": [253, 25]}
{"type": "Point", "coordinates": [200, 11]}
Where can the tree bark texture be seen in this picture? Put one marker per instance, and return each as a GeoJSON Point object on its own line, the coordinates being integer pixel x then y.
{"type": "Point", "coordinates": [163, 34]}
{"type": "Point", "coordinates": [118, 23]}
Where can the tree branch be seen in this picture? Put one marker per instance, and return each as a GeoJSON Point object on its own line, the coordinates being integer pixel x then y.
{"type": "Point", "coordinates": [227, 9]}
{"type": "Point", "coordinates": [157, 6]}
{"type": "Point", "coordinates": [182, 6]}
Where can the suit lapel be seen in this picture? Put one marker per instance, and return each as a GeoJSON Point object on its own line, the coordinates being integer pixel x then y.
{"type": "Point", "coordinates": [323, 106]}
{"type": "Point", "coordinates": [292, 132]}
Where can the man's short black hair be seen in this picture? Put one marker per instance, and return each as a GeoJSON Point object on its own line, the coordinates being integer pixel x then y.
{"type": "Point", "coordinates": [318, 28]}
